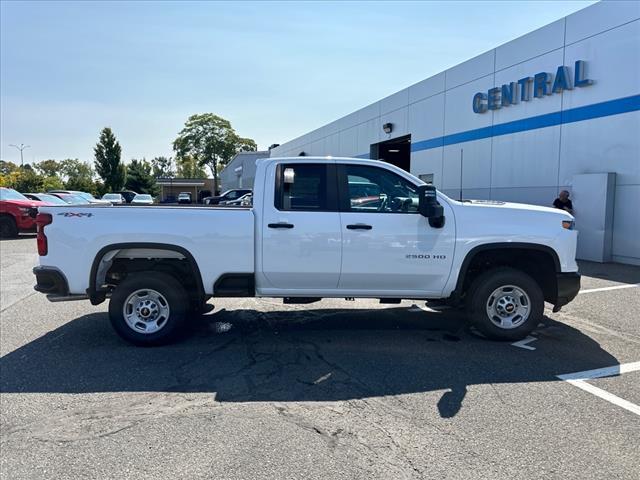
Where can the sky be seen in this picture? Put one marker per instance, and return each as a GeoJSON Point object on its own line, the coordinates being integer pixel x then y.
{"type": "Point", "coordinates": [276, 70]}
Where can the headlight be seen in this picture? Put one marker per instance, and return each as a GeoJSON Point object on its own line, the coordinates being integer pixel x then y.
{"type": "Point", "coordinates": [24, 210]}
{"type": "Point", "coordinates": [568, 224]}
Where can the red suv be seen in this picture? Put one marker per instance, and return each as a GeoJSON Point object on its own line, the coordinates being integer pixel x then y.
{"type": "Point", "coordinates": [14, 213]}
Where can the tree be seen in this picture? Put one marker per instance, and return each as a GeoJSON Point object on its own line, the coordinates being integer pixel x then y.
{"type": "Point", "coordinates": [211, 141]}
{"type": "Point", "coordinates": [107, 160]}
{"type": "Point", "coordinates": [188, 167]}
{"type": "Point", "coordinates": [51, 183]}
{"type": "Point", "coordinates": [78, 175]}
{"type": "Point", "coordinates": [140, 178]}
{"type": "Point", "coordinates": [246, 145]}
{"type": "Point", "coordinates": [162, 167]}
{"type": "Point", "coordinates": [49, 168]}
{"type": "Point", "coordinates": [23, 180]}
{"type": "Point", "coordinates": [7, 167]}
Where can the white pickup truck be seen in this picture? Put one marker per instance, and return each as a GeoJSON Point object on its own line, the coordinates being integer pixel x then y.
{"type": "Point", "coordinates": [318, 227]}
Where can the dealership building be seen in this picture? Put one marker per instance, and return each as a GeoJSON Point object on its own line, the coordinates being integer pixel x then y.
{"type": "Point", "coordinates": [558, 108]}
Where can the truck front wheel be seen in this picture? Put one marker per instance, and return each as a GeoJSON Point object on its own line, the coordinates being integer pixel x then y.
{"type": "Point", "coordinates": [505, 304]}
{"type": "Point", "coordinates": [149, 308]}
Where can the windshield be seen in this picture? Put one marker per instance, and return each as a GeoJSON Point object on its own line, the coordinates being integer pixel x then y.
{"type": "Point", "coordinates": [85, 195]}
{"type": "Point", "coordinates": [111, 196]}
{"type": "Point", "coordinates": [74, 199]}
{"type": "Point", "coordinates": [50, 199]}
{"type": "Point", "coordinates": [11, 194]}
{"type": "Point", "coordinates": [142, 197]}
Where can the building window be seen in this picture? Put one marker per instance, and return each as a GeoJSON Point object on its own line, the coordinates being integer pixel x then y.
{"type": "Point", "coordinates": [426, 178]}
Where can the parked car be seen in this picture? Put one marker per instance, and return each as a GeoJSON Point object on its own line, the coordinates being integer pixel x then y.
{"type": "Point", "coordinates": [246, 200]}
{"type": "Point", "coordinates": [72, 198]}
{"type": "Point", "coordinates": [303, 241]}
{"type": "Point", "coordinates": [243, 200]}
{"type": "Point", "coordinates": [86, 195]}
{"type": "Point", "coordinates": [142, 199]}
{"type": "Point", "coordinates": [184, 197]}
{"type": "Point", "coordinates": [128, 195]}
{"type": "Point", "coordinates": [226, 196]}
{"type": "Point", "coordinates": [15, 213]}
{"type": "Point", "coordinates": [45, 197]}
{"type": "Point", "coordinates": [114, 198]}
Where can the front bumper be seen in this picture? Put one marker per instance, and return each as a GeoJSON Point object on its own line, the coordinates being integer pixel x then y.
{"type": "Point", "coordinates": [568, 287]}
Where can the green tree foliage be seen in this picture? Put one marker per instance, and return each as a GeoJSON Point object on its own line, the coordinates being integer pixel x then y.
{"type": "Point", "coordinates": [107, 160]}
{"type": "Point", "coordinates": [140, 178]}
{"type": "Point", "coordinates": [51, 183]}
{"type": "Point", "coordinates": [49, 168]}
{"type": "Point", "coordinates": [211, 141]}
{"type": "Point", "coordinates": [7, 167]}
{"type": "Point", "coordinates": [188, 167]}
{"type": "Point", "coordinates": [246, 145]}
{"type": "Point", "coordinates": [78, 175]}
{"type": "Point", "coordinates": [23, 180]}
{"type": "Point", "coordinates": [162, 167]}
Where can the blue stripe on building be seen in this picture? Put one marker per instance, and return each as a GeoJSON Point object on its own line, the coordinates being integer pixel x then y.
{"type": "Point", "coordinates": [578, 114]}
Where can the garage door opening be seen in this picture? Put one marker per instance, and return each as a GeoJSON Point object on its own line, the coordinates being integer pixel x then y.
{"type": "Point", "coordinates": [396, 151]}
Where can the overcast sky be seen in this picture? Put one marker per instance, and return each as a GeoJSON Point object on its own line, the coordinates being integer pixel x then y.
{"type": "Point", "coordinates": [275, 70]}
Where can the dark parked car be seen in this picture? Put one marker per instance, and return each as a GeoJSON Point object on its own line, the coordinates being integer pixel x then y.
{"type": "Point", "coordinates": [234, 194]}
{"type": "Point", "coordinates": [127, 194]}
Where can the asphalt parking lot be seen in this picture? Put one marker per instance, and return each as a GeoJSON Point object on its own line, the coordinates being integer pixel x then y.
{"type": "Point", "coordinates": [334, 389]}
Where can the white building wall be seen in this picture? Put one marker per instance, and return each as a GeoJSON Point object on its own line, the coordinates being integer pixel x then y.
{"type": "Point", "coordinates": [528, 166]}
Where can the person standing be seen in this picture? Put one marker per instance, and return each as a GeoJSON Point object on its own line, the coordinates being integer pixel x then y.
{"type": "Point", "coordinates": [563, 202]}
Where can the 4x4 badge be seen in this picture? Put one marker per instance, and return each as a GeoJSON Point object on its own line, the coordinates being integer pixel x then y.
{"type": "Point", "coordinates": [74, 214]}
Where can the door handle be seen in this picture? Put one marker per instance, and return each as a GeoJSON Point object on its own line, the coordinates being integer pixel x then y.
{"type": "Point", "coordinates": [280, 225]}
{"type": "Point", "coordinates": [359, 226]}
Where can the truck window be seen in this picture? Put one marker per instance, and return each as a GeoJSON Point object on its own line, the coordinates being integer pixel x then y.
{"type": "Point", "coordinates": [302, 187]}
{"type": "Point", "coordinates": [377, 190]}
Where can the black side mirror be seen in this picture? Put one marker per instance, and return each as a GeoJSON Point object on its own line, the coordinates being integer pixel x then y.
{"type": "Point", "coordinates": [429, 207]}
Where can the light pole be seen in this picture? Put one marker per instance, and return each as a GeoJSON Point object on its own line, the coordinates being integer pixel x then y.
{"type": "Point", "coordinates": [21, 148]}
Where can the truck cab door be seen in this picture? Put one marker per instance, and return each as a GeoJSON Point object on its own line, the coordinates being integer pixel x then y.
{"type": "Point", "coordinates": [301, 235]}
{"type": "Point", "coordinates": [388, 247]}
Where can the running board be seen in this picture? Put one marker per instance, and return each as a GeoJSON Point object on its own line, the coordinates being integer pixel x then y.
{"type": "Point", "coordinates": [300, 300]}
{"type": "Point", "coordinates": [66, 298]}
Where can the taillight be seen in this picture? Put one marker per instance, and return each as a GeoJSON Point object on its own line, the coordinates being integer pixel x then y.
{"type": "Point", "coordinates": [42, 220]}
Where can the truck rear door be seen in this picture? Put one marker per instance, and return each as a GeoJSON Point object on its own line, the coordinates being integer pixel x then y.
{"type": "Point", "coordinates": [302, 238]}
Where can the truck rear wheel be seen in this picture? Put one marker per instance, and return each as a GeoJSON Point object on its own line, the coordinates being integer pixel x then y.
{"type": "Point", "coordinates": [8, 227]}
{"type": "Point", "coordinates": [149, 308]}
{"type": "Point", "coordinates": [505, 304]}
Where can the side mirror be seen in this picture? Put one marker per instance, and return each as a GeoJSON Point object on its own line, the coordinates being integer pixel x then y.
{"type": "Point", "coordinates": [429, 207]}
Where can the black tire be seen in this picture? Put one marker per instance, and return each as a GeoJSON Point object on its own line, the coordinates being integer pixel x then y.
{"type": "Point", "coordinates": [8, 227]}
{"type": "Point", "coordinates": [171, 327]}
{"type": "Point", "coordinates": [483, 288]}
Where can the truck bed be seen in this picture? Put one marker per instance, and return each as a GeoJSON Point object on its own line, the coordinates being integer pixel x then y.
{"type": "Point", "coordinates": [220, 239]}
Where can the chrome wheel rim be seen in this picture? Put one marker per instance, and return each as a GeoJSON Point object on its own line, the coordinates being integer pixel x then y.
{"type": "Point", "coordinates": [146, 311]}
{"type": "Point", "coordinates": [508, 307]}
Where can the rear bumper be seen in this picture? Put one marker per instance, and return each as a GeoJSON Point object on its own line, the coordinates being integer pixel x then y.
{"type": "Point", "coordinates": [51, 281]}
{"type": "Point", "coordinates": [568, 287]}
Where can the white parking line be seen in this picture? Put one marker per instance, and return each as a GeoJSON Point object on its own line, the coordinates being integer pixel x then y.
{"type": "Point", "coordinates": [579, 379]}
{"type": "Point", "coordinates": [604, 289]}
{"type": "Point", "coordinates": [523, 343]}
